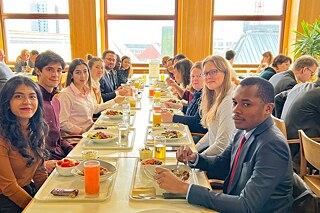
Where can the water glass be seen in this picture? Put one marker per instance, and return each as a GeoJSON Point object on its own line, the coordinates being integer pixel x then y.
{"type": "Point", "coordinates": [160, 148]}
{"type": "Point", "coordinates": [91, 177]}
{"type": "Point", "coordinates": [123, 134]}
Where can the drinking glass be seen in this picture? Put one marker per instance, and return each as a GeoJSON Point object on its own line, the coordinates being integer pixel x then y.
{"type": "Point", "coordinates": [157, 93]}
{"type": "Point", "coordinates": [89, 154]}
{"type": "Point", "coordinates": [123, 134]}
{"type": "Point", "coordinates": [160, 148]}
{"type": "Point", "coordinates": [156, 118]}
{"type": "Point", "coordinates": [151, 91]}
{"type": "Point", "coordinates": [91, 177]}
{"type": "Point", "coordinates": [125, 107]}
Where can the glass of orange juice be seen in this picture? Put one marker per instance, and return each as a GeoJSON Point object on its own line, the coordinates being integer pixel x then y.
{"type": "Point", "coordinates": [151, 91]}
{"type": "Point", "coordinates": [160, 148]}
{"type": "Point", "coordinates": [157, 106]}
{"type": "Point", "coordinates": [137, 84]}
{"type": "Point", "coordinates": [133, 102]}
{"type": "Point", "coordinates": [91, 177]}
{"type": "Point", "coordinates": [156, 119]}
{"type": "Point", "coordinates": [157, 93]}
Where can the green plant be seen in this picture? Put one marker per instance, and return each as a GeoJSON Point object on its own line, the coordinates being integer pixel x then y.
{"type": "Point", "coordinates": [308, 41]}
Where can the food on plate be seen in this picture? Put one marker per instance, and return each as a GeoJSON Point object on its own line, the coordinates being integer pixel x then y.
{"type": "Point", "coordinates": [170, 134]}
{"type": "Point", "coordinates": [67, 162]}
{"type": "Point", "coordinates": [113, 112]}
{"type": "Point", "coordinates": [182, 174]}
{"type": "Point", "coordinates": [103, 171]}
{"type": "Point", "coordinates": [151, 162]}
{"type": "Point", "coordinates": [99, 135]}
{"type": "Point", "coordinates": [65, 192]}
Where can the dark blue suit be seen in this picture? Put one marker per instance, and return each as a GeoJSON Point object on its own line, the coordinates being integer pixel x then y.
{"type": "Point", "coordinates": [192, 116]}
{"type": "Point", "coordinates": [263, 177]}
{"type": "Point", "coordinates": [107, 87]}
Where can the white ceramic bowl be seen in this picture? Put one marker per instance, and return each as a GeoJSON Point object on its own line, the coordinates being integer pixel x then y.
{"type": "Point", "coordinates": [65, 171]}
{"type": "Point", "coordinates": [111, 170]}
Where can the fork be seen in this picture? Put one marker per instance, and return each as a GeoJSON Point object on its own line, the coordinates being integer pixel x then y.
{"type": "Point", "coordinates": [177, 165]}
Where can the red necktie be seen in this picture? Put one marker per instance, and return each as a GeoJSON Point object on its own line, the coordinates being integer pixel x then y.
{"type": "Point", "coordinates": [235, 162]}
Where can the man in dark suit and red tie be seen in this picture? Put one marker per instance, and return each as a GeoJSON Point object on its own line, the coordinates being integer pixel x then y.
{"type": "Point", "coordinates": [256, 166]}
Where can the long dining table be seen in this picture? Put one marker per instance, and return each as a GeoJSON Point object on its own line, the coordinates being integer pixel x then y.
{"type": "Point", "coordinates": [127, 162]}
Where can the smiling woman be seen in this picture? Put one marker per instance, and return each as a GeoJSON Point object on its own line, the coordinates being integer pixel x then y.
{"type": "Point", "coordinates": [22, 153]}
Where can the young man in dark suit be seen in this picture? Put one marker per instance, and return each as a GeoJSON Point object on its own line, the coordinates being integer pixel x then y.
{"type": "Point", "coordinates": [256, 166]}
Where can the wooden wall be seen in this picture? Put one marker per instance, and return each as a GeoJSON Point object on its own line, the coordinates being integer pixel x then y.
{"type": "Point", "coordinates": [194, 26]}
{"type": "Point", "coordinates": [84, 27]}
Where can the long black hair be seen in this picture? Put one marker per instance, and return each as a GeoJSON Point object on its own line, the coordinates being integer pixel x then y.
{"type": "Point", "coordinates": [10, 127]}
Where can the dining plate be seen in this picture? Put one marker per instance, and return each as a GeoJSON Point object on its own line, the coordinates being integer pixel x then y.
{"type": "Point", "coordinates": [182, 171]}
{"type": "Point", "coordinates": [106, 170]}
{"type": "Point", "coordinates": [112, 113]}
{"type": "Point", "coordinates": [170, 134]}
{"type": "Point", "coordinates": [94, 136]}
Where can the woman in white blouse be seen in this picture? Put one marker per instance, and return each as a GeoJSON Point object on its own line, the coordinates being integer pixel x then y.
{"type": "Point", "coordinates": [216, 106]}
{"type": "Point", "coordinates": [96, 71]}
{"type": "Point", "coordinates": [77, 106]}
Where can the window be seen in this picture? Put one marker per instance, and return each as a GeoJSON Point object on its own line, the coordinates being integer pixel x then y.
{"type": "Point", "coordinates": [252, 30]}
{"type": "Point", "coordinates": [36, 25]}
{"type": "Point", "coordinates": [144, 30]}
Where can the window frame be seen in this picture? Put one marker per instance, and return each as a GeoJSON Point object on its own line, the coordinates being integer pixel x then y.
{"type": "Point", "coordinates": [280, 18]}
{"type": "Point", "coordinates": [5, 16]}
{"type": "Point", "coordinates": [125, 17]}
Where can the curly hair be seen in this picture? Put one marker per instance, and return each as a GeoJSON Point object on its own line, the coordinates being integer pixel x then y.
{"type": "Point", "coordinates": [10, 128]}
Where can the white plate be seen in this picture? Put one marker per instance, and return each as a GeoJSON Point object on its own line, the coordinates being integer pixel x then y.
{"type": "Point", "coordinates": [150, 170]}
{"type": "Point", "coordinates": [114, 136]}
{"type": "Point", "coordinates": [104, 113]}
{"type": "Point", "coordinates": [158, 133]}
{"type": "Point", "coordinates": [111, 168]}
{"type": "Point", "coordinates": [159, 211]}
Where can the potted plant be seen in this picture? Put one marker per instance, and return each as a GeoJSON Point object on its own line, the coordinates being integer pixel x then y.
{"type": "Point", "coordinates": [308, 41]}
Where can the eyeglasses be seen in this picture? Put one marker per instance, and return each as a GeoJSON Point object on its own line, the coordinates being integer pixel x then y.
{"type": "Point", "coordinates": [211, 73]}
{"type": "Point", "coordinates": [312, 72]}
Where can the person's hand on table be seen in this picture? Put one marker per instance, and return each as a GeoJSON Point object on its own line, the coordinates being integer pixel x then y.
{"type": "Point", "coordinates": [173, 105]}
{"type": "Point", "coordinates": [119, 99]}
{"type": "Point", "coordinates": [185, 154]}
{"type": "Point", "coordinates": [166, 116]}
{"type": "Point", "coordinates": [123, 92]}
{"type": "Point", "coordinates": [50, 165]}
{"type": "Point", "coordinates": [170, 182]}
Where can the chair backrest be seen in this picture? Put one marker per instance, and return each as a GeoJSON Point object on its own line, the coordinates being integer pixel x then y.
{"type": "Point", "coordinates": [310, 152]}
{"type": "Point", "coordinates": [281, 125]}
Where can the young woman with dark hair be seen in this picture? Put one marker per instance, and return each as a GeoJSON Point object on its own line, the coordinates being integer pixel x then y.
{"type": "Point", "coordinates": [22, 145]}
{"type": "Point", "coordinates": [77, 106]}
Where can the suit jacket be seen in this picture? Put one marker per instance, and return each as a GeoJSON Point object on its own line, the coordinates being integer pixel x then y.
{"type": "Point", "coordinates": [283, 81]}
{"type": "Point", "coordinates": [303, 112]}
{"type": "Point", "coordinates": [284, 101]}
{"type": "Point", "coordinates": [192, 115]}
{"type": "Point", "coordinates": [263, 177]}
{"type": "Point", "coordinates": [107, 87]}
{"type": "Point", "coordinates": [5, 74]}
{"type": "Point", "coordinates": [267, 73]}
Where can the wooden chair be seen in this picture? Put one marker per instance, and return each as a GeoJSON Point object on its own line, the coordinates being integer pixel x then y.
{"type": "Point", "coordinates": [310, 152]}
{"type": "Point", "coordinates": [282, 126]}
